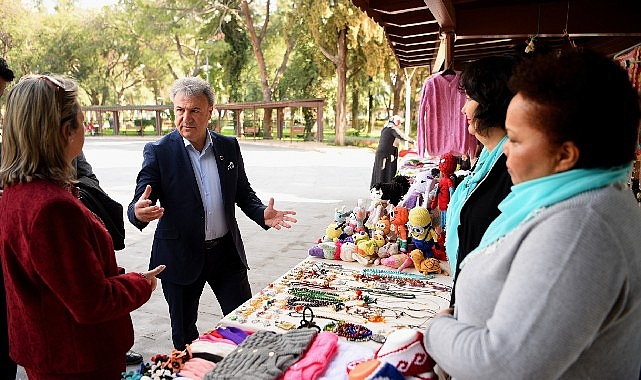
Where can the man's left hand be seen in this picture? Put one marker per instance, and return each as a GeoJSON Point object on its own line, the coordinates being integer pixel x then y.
{"type": "Point", "coordinates": [277, 219]}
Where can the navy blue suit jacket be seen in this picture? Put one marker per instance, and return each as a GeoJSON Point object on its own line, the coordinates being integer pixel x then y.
{"type": "Point", "coordinates": [179, 240]}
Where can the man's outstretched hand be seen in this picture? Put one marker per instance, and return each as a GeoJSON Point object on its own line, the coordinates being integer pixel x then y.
{"type": "Point", "coordinates": [277, 219]}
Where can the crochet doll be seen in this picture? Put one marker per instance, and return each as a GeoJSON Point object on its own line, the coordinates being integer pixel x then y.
{"type": "Point", "coordinates": [423, 236]}
{"type": "Point", "coordinates": [376, 208]}
{"type": "Point", "coordinates": [399, 217]}
{"type": "Point", "coordinates": [445, 186]}
{"type": "Point", "coordinates": [357, 218]}
{"type": "Point", "coordinates": [419, 190]}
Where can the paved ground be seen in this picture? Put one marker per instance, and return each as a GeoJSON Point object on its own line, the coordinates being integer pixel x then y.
{"type": "Point", "coordinates": [309, 177]}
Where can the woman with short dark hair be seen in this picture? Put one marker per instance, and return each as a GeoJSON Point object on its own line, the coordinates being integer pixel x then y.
{"type": "Point", "coordinates": [553, 291]}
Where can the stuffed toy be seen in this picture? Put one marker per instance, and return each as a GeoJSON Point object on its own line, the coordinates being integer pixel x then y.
{"type": "Point", "coordinates": [383, 226]}
{"type": "Point", "coordinates": [423, 236]}
{"type": "Point", "coordinates": [399, 217]}
{"type": "Point", "coordinates": [379, 238]}
{"type": "Point", "coordinates": [419, 190]}
{"type": "Point", "coordinates": [393, 191]}
{"type": "Point", "coordinates": [357, 218]}
{"type": "Point", "coordinates": [376, 208]}
{"type": "Point", "coordinates": [425, 265]}
{"type": "Point", "coordinates": [445, 186]}
{"type": "Point", "coordinates": [340, 217]}
{"type": "Point", "coordinates": [332, 233]}
{"type": "Point", "coordinates": [388, 249]}
{"type": "Point", "coordinates": [324, 250]}
{"type": "Point", "coordinates": [395, 261]}
{"type": "Point", "coordinates": [366, 251]}
{"type": "Point", "coordinates": [347, 252]}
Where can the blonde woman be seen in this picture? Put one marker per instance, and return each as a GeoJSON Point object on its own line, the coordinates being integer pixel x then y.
{"type": "Point", "coordinates": [68, 303]}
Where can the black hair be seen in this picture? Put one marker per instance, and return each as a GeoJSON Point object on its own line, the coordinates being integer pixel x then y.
{"type": "Point", "coordinates": [5, 71]}
{"type": "Point", "coordinates": [586, 98]}
{"type": "Point", "coordinates": [485, 81]}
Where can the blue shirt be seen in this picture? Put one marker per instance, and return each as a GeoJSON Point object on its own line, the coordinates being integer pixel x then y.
{"type": "Point", "coordinates": [208, 180]}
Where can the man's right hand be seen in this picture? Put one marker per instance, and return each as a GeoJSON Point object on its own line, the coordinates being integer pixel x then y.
{"type": "Point", "coordinates": [144, 210]}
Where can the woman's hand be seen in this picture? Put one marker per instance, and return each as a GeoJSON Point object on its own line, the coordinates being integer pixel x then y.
{"type": "Point", "coordinates": [150, 276]}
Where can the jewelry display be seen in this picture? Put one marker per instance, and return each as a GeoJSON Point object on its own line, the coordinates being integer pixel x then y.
{"type": "Point", "coordinates": [358, 304]}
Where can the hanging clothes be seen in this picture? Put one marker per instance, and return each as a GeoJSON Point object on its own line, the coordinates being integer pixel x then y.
{"type": "Point", "coordinates": [442, 127]}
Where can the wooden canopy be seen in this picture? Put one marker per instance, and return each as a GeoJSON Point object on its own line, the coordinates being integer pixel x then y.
{"type": "Point", "coordinates": [439, 33]}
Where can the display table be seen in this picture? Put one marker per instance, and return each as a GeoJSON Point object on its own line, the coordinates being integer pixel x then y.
{"type": "Point", "coordinates": [326, 293]}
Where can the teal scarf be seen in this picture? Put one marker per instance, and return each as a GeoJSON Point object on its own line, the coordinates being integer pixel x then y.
{"type": "Point", "coordinates": [483, 166]}
{"type": "Point", "coordinates": [529, 197]}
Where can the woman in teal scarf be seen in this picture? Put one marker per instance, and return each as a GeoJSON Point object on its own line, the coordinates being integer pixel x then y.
{"type": "Point", "coordinates": [474, 204]}
{"type": "Point", "coordinates": [553, 291]}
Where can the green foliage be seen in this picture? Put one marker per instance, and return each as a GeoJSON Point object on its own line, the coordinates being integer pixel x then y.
{"type": "Point", "coordinates": [131, 52]}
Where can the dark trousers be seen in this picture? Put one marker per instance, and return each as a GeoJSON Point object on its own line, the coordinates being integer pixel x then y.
{"type": "Point", "coordinates": [227, 277]}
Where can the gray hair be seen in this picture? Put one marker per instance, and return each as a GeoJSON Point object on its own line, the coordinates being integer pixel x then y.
{"type": "Point", "coordinates": [192, 86]}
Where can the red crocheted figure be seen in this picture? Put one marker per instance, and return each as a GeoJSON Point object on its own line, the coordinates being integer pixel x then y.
{"type": "Point", "coordinates": [447, 166]}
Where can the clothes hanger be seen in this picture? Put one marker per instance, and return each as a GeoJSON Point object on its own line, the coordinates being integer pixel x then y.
{"type": "Point", "coordinates": [448, 71]}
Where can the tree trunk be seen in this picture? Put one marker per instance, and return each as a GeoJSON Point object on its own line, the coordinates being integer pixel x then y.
{"type": "Point", "coordinates": [341, 97]}
{"type": "Point", "coordinates": [397, 88]}
{"type": "Point", "coordinates": [355, 96]}
{"type": "Point", "coordinates": [260, 60]}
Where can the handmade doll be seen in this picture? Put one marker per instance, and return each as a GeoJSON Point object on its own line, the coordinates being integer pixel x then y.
{"type": "Point", "coordinates": [357, 218]}
{"type": "Point", "coordinates": [398, 221]}
{"type": "Point", "coordinates": [445, 186]}
{"type": "Point", "coordinates": [423, 236]}
{"type": "Point", "coordinates": [419, 190]}
{"type": "Point", "coordinates": [376, 208]}
{"type": "Point", "coordinates": [395, 261]}
{"type": "Point", "coordinates": [393, 191]}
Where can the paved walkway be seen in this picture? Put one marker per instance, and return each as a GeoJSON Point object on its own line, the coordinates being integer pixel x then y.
{"type": "Point", "coordinates": [309, 177]}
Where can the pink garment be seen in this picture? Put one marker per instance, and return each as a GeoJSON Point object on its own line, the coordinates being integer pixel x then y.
{"type": "Point", "coordinates": [316, 359]}
{"type": "Point", "coordinates": [442, 128]}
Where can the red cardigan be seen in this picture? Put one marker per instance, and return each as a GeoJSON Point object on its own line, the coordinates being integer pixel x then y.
{"type": "Point", "coordinates": [68, 308]}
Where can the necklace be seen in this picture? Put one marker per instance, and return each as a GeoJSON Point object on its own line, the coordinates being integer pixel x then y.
{"type": "Point", "coordinates": [394, 274]}
{"type": "Point", "coordinates": [353, 332]}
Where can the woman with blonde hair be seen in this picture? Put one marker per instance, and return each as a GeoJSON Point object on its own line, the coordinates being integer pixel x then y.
{"type": "Point", "coordinates": [68, 302]}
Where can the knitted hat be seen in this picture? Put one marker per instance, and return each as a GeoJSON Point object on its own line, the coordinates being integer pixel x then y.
{"type": "Point", "coordinates": [405, 350]}
{"type": "Point", "coordinates": [316, 358]}
{"type": "Point", "coordinates": [374, 369]}
{"type": "Point", "coordinates": [234, 334]}
{"type": "Point", "coordinates": [263, 355]}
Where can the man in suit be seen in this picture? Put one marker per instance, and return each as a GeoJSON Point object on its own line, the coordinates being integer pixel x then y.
{"type": "Point", "coordinates": [199, 177]}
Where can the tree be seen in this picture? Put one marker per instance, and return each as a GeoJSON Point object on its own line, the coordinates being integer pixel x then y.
{"type": "Point", "coordinates": [338, 28]}
{"type": "Point", "coordinates": [258, 48]}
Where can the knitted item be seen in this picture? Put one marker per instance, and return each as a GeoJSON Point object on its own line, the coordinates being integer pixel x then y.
{"type": "Point", "coordinates": [196, 368]}
{"type": "Point", "coordinates": [375, 370]}
{"type": "Point", "coordinates": [263, 355]}
{"type": "Point", "coordinates": [405, 350]}
{"type": "Point", "coordinates": [216, 348]}
{"type": "Point", "coordinates": [316, 358]}
{"type": "Point", "coordinates": [234, 334]}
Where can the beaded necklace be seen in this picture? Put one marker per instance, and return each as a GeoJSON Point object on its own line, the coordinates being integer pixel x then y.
{"type": "Point", "coordinates": [353, 332]}
{"type": "Point", "coordinates": [394, 274]}
{"type": "Point", "coordinates": [313, 294]}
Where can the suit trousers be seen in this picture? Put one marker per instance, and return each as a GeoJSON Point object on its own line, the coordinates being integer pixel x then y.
{"type": "Point", "coordinates": [226, 275]}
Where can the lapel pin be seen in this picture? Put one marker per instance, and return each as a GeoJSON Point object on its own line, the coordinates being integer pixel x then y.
{"type": "Point", "coordinates": [221, 158]}
{"type": "Point", "coordinates": [230, 166]}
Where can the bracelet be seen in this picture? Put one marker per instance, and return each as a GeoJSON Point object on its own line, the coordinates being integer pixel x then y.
{"type": "Point", "coordinates": [143, 276]}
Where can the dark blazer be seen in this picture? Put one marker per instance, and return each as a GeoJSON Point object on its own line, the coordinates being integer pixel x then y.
{"type": "Point", "coordinates": [179, 240]}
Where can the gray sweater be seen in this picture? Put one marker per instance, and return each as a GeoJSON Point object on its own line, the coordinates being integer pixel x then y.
{"type": "Point", "coordinates": [559, 297]}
